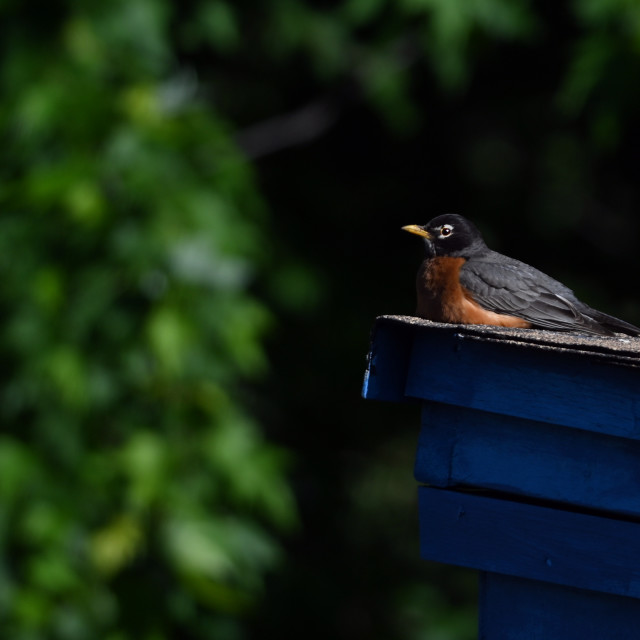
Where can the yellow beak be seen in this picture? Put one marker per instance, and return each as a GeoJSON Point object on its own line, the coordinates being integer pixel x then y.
{"type": "Point", "coordinates": [419, 231]}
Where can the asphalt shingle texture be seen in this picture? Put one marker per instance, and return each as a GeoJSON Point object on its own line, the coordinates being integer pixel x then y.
{"type": "Point", "coordinates": [618, 349]}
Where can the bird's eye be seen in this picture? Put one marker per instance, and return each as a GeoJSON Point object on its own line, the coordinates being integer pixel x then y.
{"type": "Point", "coordinates": [446, 230]}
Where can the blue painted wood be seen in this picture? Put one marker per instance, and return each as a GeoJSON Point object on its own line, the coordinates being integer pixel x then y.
{"type": "Point", "coordinates": [538, 543]}
{"type": "Point", "coordinates": [517, 609]}
{"type": "Point", "coordinates": [547, 386]}
{"type": "Point", "coordinates": [388, 362]}
{"type": "Point", "coordinates": [528, 423]}
{"type": "Point", "coordinates": [459, 446]}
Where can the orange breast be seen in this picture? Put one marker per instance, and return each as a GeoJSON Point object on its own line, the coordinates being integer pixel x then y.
{"type": "Point", "coordinates": [441, 298]}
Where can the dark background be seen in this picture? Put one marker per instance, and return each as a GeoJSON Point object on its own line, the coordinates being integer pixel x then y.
{"type": "Point", "coordinates": [201, 211]}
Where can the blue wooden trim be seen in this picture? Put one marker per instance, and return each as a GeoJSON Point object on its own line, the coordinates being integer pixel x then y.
{"type": "Point", "coordinates": [459, 446]}
{"type": "Point", "coordinates": [546, 386]}
{"type": "Point", "coordinates": [387, 363]}
{"type": "Point", "coordinates": [538, 543]}
{"type": "Point", "coordinates": [517, 609]}
{"type": "Point", "coordinates": [536, 420]}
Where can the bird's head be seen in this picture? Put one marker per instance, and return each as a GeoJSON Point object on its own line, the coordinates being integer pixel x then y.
{"type": "Point", "coordinates": [449, 235]}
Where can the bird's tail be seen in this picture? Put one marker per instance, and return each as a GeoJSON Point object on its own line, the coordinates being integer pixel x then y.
{"type": "Point", "coordinates": [614, 325]}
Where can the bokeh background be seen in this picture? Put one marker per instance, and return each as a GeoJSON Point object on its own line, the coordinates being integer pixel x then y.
{"type": "Point", "coordinates": [200, 212]}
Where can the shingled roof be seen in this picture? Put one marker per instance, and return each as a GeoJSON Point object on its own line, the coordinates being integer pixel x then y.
{"type": "Point", "coordinates": [619, 349]}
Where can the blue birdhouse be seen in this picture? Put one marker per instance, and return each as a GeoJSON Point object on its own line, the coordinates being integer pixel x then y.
{"type": "Point", "coordinates": [528, 464]}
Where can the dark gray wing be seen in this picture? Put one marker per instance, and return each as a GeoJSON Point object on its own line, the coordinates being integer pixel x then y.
{"type": "Point", "coordinates": [504, 285]}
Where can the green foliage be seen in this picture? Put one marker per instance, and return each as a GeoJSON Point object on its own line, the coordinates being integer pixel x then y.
{"type": "Point", "coordinates": [603, 65]}
{"type": "Point", "coordinates": [451, 25]}
{"type": "Point", "coordinates": [132, 478]}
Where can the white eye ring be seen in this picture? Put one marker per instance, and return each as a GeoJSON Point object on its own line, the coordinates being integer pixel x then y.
{"type": "Point", "coordinates": [446, 230]}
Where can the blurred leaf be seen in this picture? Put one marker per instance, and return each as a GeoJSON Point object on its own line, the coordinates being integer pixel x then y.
{"type": "Point", "coordinates": [297, 287]}
{"type": "Point", "coordinates": [145, 463]}
{"type": "Point", "coordinates": [136, 32]}
{"type": "Point", "coordinates": [195, 262]}
{"type": "Point", "coordinates": [52, 573]}
{"type": "Point", "coordinates": [239, 323]}
{"type": "Point", "coordinates": [117, 544]}
{"type": "Point", "coordinates": [600, 12]}
{"type": "Point", "coordinates": [48, 289]}
{"type": "Point", "coordinates": [32, 609]}
{"type": "Point", "coordinates": [585, 72]}
{"type": "Point", "coordinates": [223, 550]}
{"type": "Point", "coordinates": [387, 82]}
{"type": "Point", "coordinates": [43, 523]}
{"type": "Point", "coordinates": [66, 369]}
{"type": "Point", "coordinates": [361, 11]}
{"type": "Point", "coordinates": [260, 485]}
{"type": "Point", "coordinates": [17, 469]}
{"type": "Point", "coordinates": [84, 44]}
{"type": "Point", "coordinates": [171, 339]}
{"type": "Point", "coordinates": [218, 25]}
{"type": "Point", "coordinates": [327, 40]}
{"type": "Point", "coordinates": [453, 22]}
{"type": "Point", "coordinates": [142, 105]}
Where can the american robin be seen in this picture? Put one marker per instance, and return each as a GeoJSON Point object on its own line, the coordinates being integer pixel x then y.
{"type": "Point", "coordinates": [461, 280]}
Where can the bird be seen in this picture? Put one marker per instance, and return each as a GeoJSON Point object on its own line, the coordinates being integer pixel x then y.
{"type": "Point", "coordinates": [462, 281]}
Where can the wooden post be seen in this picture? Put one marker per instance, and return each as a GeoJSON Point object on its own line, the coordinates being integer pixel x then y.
{"type": "Point", "coordinates": [529, 468]}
